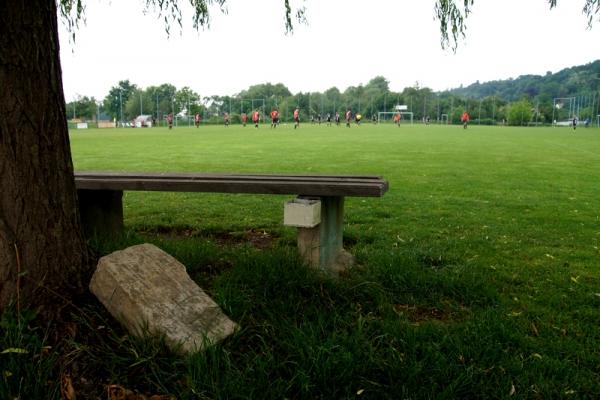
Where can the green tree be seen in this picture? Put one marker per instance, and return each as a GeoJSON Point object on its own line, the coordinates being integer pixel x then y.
{"type": "Point", "coordinates": [452, 16]}
{"type": "Point", "coordinates": [83, 107]}
{"type": "Point", "coordinates": [163, 95]}
{"type": "Point", "coordinates": [521, 113]}
{"type": "Point", "coordinates": [114, 103]}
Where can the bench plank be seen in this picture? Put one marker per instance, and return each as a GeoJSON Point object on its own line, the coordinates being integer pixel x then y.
{"type": "Point", "coordinates": [317, 185]}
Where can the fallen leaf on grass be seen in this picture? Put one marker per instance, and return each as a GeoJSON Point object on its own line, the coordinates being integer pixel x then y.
{"type": "Point", "coordinates": [14, 350]}
{"type": "Point", "coordinates": [534, 330]}
{"type": "Point", "coordinates": [512, 390]}
{"type": "Point", "coordinates": [536, 355]}
{"type": "Point", "coordinates": [360, 391]}
{"type": "Point", "coordinates": [549, 255]}
{"type": "Point", "coordinates": [118, 392]}
{"type": "Point", "coordinates": [67, 392]}
{"type": "Point", "coordinates": [515, 314]}
{"type": "Point", "coordinates": [575, 279]}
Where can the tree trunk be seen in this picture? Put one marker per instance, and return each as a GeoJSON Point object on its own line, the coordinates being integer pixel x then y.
{"type": "Point", "coordinates": [43, 255]}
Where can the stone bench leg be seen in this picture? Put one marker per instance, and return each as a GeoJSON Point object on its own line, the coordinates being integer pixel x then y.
{"type": "Point", "coordinates": [322, 246]}
{"type": "Point", "coordinates": [101, 211]}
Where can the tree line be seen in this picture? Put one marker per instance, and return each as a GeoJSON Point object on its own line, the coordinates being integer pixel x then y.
{"type": "Point", "coordinates": [529, 99]}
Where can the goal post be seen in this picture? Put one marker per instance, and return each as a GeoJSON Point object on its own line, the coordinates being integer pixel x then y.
{"type": "Point", "coordinates": [444, 119]}
{"type": "Point", "coordinates": [408, 114]}
{"type": "Point", "coordinates": [388, 116]}
{"type": "Point", "coordinates": [563, 111]}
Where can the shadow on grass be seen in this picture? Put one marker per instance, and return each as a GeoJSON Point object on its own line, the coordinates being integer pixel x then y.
{"type": "Point", "coordinates": [388, 329]}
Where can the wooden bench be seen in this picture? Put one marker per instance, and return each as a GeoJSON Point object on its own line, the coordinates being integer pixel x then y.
{"type": "Point", "coordinates": [100, 201]}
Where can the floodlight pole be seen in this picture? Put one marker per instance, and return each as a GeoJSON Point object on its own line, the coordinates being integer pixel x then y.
{"type": "Point", "coordinates": [121, 103]}
{"type": "Point", "coordinates": [141, 104]}
{"type": "Point", "coordinates": [480, 101]}
{"type": "Point", "coordinates": [157, 115]}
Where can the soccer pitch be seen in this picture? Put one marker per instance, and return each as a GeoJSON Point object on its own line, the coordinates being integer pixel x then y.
{"type": "Point", "coordinates": [439, 175]}
{"type": "Point", "coordinates": [481, 262]}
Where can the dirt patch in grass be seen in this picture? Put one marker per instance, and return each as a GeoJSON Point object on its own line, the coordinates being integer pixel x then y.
{"type": "Point", "coordinates": [171, 232]}
{"type": "Point", "coordinates": [419, 314]}
{"type": "Point", "coordinates": [258, 238]}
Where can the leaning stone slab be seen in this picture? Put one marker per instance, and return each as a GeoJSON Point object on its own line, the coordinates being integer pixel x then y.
{"type": "Point", "coordinates": [142, 286]}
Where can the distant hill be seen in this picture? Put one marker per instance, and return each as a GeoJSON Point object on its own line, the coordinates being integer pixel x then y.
{"type": "Point", "coordinates": [574, 81]}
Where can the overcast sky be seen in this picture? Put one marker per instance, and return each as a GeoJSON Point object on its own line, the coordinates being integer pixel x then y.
{"type": "Point", "coordinates": [346, 43]}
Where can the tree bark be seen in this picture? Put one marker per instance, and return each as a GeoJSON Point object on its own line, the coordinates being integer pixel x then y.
{"type": "Point", "coordinates": [43, 254]}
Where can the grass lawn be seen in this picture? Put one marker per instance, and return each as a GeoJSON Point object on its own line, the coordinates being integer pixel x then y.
{"type": "Point", "coordinates": [478, 272]}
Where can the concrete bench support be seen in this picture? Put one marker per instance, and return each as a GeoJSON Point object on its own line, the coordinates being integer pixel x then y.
{"type": "Point", "coordinates": [101, 211]}
{"type": "Point", "coordinates": [322, 246]}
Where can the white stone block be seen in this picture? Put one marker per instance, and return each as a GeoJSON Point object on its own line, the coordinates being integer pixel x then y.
{"type": "Point", "coordinates": [142, 286]}
{"type": "Point", "coordinates": [302, 212]}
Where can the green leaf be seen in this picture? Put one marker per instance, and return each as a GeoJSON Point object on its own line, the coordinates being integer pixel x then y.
{"type": "Point", "coordinates": [14, 350]}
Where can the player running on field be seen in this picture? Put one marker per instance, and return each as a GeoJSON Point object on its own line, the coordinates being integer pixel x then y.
{"type": "Point", "coordinates": [337, 118]}
{"type": "Point", "coordinates": [255, 118]}
{"type": "Point", "coordinates": [357, 118]}
{"type": "Point", "coordinates": [274, 118]}
{"type": "Point", "coordinates": [226, 119]}
{"type": "Point", "coordinates": [348, 118]}
{"type": "Point", "coordinates": [465, 119]}
{"type": "Point", "coordinates": [244, 119]}
{"type": "Point", "coordinates": [397, 118]}
{"type": "Point", "coordinates": [328, 119]}
{"type": "Point", "coordinates": [296, 118]}
{"type": "Point", "coordinates": [170, 121]}
{"type": "Point", "coordinates": [197, 120]}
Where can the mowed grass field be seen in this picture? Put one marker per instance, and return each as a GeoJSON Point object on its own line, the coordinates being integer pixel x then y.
{"type": "Point", "coordinates": [478, 273]}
